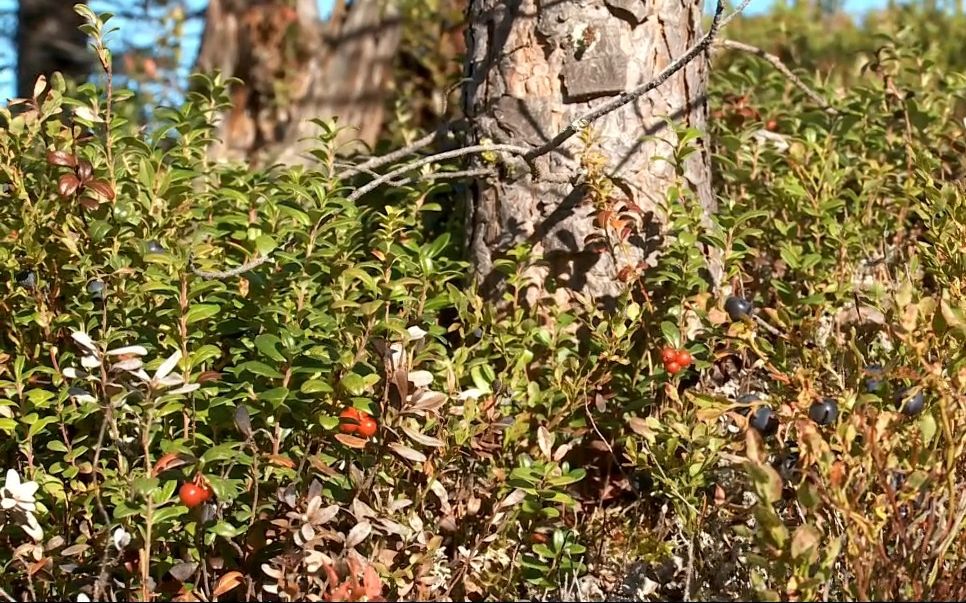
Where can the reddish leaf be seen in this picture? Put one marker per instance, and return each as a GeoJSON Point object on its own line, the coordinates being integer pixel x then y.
{"type": "Point", "coordinates": [101, 188]}
{"type": "Point", "coordinates": [88, 203]}
{"type": "Point", "coordinates": [61, 158]}
{"type": "Point", "coordinates": [39, 565]}
{"type": "Point", "coordinates": [168, 461]}
{"type": "Point", "coordinates": [84, 170]}
{"type": "Point", "coordinates": [67, 185]}
{"type": "Point", "coordinates": [281, 461]}
{"type": "Point", "coordinates": [226, 583]}
{"type": "Point", "coordinates": [208, 376]}
{"type": "Point", "coordinates": [350, 441]}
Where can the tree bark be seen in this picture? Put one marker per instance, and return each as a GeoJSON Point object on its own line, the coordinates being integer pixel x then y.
{"type": "Point", "coordinates": [534, 66]}
{"type": "Point", "coordinates": [48, 40]}
{"type": "Point", "coordinates": [295, 68]}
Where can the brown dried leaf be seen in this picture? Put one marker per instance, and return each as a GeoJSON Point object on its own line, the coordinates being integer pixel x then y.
{"type": "Point", "coordinates": [421, 438]}
{"type": "Point", "coordinates": [427, 400]}
{"type": "Point", "coordinates": [226, 583]}
{"type": "Point", "coordinates": [357, 534]}
{"type": "Point", "coordinates": [75, 549]}
{"type": "Point", "coordinates": [182, 572]}
{"type": "Point", "coordinates": [39, 565]}
{"type": "Point", "coordinates": [545, 441]}
{"type": "Point", "coordinates": [408, 453]}
{"type": "Point", "coordinates": [640, 427]}
{"type": "Point", "coordinates": [280, 460]}
{"type": "Point", "coordinates": [361, 510]}
{"type": "Point", "coordinates": [168, 461]}
{"type": "Point", "coordinates": [350, 440]}
{"type": "Point", "coordinates": [514, 498]}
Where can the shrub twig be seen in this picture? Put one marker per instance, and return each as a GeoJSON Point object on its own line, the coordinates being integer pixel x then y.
{"type": "Point", "coordinates": [781, 67]}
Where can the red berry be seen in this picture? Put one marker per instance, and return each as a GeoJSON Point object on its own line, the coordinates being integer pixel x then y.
{"type": "Point", "coordinates": [684, 358]}
{"type": "Point", "coordinates": [367, 427]}
{"type": "Point", "coordinates": [350, 419]}
{"type": "Point", "coordinates": [192, 495]}
{"type": "Point", "coordinates": [672, 367]}
{"type": "Point", "coordinates": [668, 354]}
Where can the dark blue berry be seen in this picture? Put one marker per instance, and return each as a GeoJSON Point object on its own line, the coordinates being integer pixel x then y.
{"type": "Point", "coordinates": [910, 403]}
{"type": "Point", "coordinates": [746, 401]}
{"type": "Point", "coordinates": [737, 308]}
{"type": "Point", "coordinates": [764, 421]}
{"type": "Point", "coordinates": [27, 279]}
{"type": "Point", "coordinates": [873, 380]}
{"type": "Point", "coordinates": [824, 412]}
{"type": "Point", "coordinates": [154, 247]}
{"type": "Point", "coordinates": [96, 290]}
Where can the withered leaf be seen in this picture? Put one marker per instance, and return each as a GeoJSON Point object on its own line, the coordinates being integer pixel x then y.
{"type": "Point", "coordinates": [422, 438]}
{"type": "Point", "coordinates": [350, 440]}
{"type": "Point", "coordinates": [408, 453]}
{"type": "Point", "coordinates": [227, 583]}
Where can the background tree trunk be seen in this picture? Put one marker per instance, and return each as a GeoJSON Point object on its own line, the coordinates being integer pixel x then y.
{"type": "Point", "coordinates": [536, 65]}
{"type": "Point", "coordinates": [48, 40]}
{"type": "Point", "coordinates": [295, 68]}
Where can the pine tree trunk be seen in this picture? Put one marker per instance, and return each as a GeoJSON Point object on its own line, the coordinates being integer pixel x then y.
{"type": "Point", "coordinates": [48, 40]}
{"type": "Point", "coordinates": [536, 65]}
{"type": "Point", "coordinates": [295, 68]}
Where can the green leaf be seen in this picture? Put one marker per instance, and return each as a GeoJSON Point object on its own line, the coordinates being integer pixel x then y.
{"type": "Point", "coordinates": [543, 550]}
{"type": "Point", "coordinates": [928, 427]}
{"type": "Point", "coordinates": [315, 386]}
{"type": "Point", "coordinates": [226, 530]}
{"type": "Point", "coordinates": [671, 334]}
{"type": "Point", "coordinates": [266, 343]}
{"type": "Point", "coordinates": [200, 312]}
{"type": "Point", "coordinates": [265, 244]}
{"type": "Point", "coordinates": [166, 514]}
{"type": "Point", "coordinates": [143, 486]}
{"type": "Point", "coordinates": [353, 383]}
{"type": "Point", "coordinates": [259, 368]}
{"type": "Point", "coordinates": [222, 452]}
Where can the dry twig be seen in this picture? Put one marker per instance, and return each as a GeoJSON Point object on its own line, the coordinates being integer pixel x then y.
{"type": "Point", "coordinates": [781, 67]}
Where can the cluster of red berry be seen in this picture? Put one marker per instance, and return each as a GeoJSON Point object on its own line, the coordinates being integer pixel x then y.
{"type": "Point", "coordinates": [357, 422]}
{"type": "Point", "coordinates": [676, 360]}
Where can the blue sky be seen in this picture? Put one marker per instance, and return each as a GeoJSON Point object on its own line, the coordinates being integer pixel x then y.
{"type": "Point", "coordinates": [142, 34]}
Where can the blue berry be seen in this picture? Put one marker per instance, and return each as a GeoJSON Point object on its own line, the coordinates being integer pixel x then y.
{"type": "Point", "coordinates": [737, 308]}
{"type": "Point", "coordinates": [27, 279]}
{"type": "Point", "coordinates": [824, 412]}
{"type": "Point", "coordinates": [764, 421]}
{"type": "Point", "coordinates": [910, 403]}
{"type": "Point", "coordinates": [95, 289]}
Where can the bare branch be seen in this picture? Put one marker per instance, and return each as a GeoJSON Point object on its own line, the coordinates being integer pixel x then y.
{"type": "Point", "coordinates": [418, 163]}
{"type": "Point", "coordinates": [476, 173]}
{"type": "Point", "coordinates": [258, 261]}
{"type": "Point", "coordinates": [396, 155]}
{"type": "Point", "coordinates": [781, 67]}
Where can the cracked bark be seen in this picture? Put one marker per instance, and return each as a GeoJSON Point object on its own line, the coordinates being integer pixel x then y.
{"type": "Point", "coordinates": [295, 68]}
{"type": "Point", "coordinates": [533, 66]}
